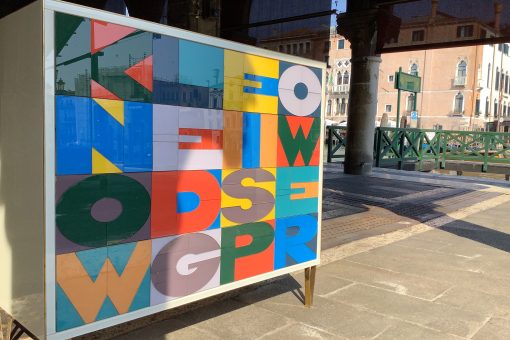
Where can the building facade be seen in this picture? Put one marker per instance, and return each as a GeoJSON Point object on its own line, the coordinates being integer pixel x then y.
{"type": "Point", "coordinates": [338, 78]}
{"type": "Point", "coordinates": [463, 88]}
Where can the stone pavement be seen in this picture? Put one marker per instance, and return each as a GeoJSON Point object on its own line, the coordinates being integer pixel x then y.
{"type": "Point", "coordinates": [405, 256]}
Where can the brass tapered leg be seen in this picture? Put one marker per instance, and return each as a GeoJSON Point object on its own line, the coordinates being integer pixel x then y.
{"type": "Point", "coordinates": [309, 285]}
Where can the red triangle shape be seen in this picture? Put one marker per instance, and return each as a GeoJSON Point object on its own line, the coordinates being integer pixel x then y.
{"type": "Point", "coordinates": [295, 123]}
{"type": "Point", "coordinates": [104, 34]}
{"type": "Point", "coordinates": [141, 72]}
{"type": "Point", "coordinates": [299, 160]}
{"type": "Point", "coordinates": [306, 125]}
{"type": "Point", "coordinates": [98, 91]}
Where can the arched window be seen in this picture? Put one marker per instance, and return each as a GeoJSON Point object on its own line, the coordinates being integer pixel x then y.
{"type": "Point", "coordinates": [502, 80]}
{"type": "Point", "coordinates": [414, 69]}
{"type": "Point", "coordinates": [496, 85]}
{"type": "Point", "coordinates": [506, 83]}
{"type": "Point", "coordinates": [462, 69]}
{"type": "Point", "coordinates": [489, 76]}
{"type": "Point", "coordinates": [410, 103]}
{"type": "Point", "coordinates": [487, 107]}
{"type": "Point", "coordinates": [328, 108]}
{"type": "Point", "coordinates": [343, 106]}
{"type": "Point", "coordinates": [495, 108]}
{"type": "Point", "coordinates": [337, 106]}
{"type": "Point", "coordinates": [339, 78]}
{"type": "Point", "coordinates": [459, 103]}
{"type": "Point", "coordinates": [504, 109]}
{"type": "Point", "coordinates": [346, 78]}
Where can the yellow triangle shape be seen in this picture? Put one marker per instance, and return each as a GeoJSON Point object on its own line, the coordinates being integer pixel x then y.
{"type": "Point", "coordinates": [114, 107]}
{"type": "Point", "coordinates": [101, 165]}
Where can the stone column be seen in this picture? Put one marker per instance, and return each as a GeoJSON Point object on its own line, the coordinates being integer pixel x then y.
{"type": "Point", "coordinates": [361, 29]}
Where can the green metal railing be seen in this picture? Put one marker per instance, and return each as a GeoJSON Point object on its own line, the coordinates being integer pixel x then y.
{"type": "Point", "coordinates": [395, 146]}
{"type": "Point", "coordinates": [336, 142]}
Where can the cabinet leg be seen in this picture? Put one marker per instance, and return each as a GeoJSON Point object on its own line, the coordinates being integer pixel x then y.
{"type": "Point", "coordinates": [309, 285]}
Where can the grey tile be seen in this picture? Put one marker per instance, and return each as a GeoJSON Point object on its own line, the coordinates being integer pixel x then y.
{"type": "Point", "coordinates": [428, 314]}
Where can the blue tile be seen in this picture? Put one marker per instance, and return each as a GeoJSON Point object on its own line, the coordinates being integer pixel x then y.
{"type": "Point", "coordinates": [67, 315]}
{"type": "Point", "coordinates": [137, 137]}
{"type": "Point", "coordinates": [285, 177]}
{"type": "Point", "coordinates": [108, 136]}
{"type": "Point", "coordinates": [200, 65]}
{"type": "Point", "coordinates": [73, 120]}
{"type": "Point", "coordinates": [297, 246]}
{"type": "Point", "coordinates": [166, 70]}
{"type": "Point", "coordinates": [165, 58]}
{"type": "Point", "coordinates": [199, 96]}
{"type": "Point", "coordinates": [251, 140]}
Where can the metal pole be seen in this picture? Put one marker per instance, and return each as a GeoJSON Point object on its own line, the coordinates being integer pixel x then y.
{"type": "Point", "coordinates": [398, 98]}
{"type": "Point", "coordinates": [414, 108]}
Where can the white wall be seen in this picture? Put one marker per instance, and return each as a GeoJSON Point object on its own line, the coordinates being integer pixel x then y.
{"type": "Point", "coordinates": [21, 167]}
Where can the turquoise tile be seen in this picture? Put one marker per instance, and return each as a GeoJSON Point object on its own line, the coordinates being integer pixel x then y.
{"type": "Point", "coordinates": [200, 65]}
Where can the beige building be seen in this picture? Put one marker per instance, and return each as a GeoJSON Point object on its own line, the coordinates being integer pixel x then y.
{"type": "Point", "coordinates": [338, 78]}
{"type": "Point", "coordinates": [463, 88]}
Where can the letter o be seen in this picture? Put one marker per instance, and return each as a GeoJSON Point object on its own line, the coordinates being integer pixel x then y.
{"type": "Point", "coordinates": [74, 210]}
{"type": "Point", "coordinates": [292, 77]}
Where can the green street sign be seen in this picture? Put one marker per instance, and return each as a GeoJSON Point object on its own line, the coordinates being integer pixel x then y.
{"type": "Point", "coordinates": [407, 82]}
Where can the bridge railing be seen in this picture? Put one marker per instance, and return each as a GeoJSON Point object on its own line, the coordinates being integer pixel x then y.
{"type": "Point", "coordinates": [336, 141]}
{"type": "Point", "coordinates": [395, 146]}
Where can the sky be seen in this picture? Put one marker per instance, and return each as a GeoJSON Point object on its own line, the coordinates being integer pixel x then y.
{"type": "Point", "coordinates": [339, 6]}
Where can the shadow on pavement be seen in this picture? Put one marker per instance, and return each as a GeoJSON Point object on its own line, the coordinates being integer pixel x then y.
{"type": "Point", "coordinates": [157, 326]}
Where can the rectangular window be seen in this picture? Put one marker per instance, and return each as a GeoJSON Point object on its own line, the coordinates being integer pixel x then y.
{"type": "Point", "coordinates": [288, 49]}
{"type": "Point", "coordinates": [465, 31]}
{"type": "Point", "coordinates": [483, 33]}
{"type": "Point", "coordinates": [300, 48]}
{"type": "Point", "coordinates": [391, 78]}
{"type": "Point", "coordinates": [477, 107]}
{"type": "Point", "coordinates": [327, 45]}
{"type": "Point", "coordinates": [341, 44]}
{"type": "Point", "coordinates": [418, 35]}
{"type": "Point", "coordinates": [308, 47]}
{"type": "Point", "coordinates": [387, 108]}
{"type": "Point", "coordinates": [280, 48]}
{"type": "Point", "coordinates": [294, 48]}
{"type": "Point", "coordinates": [326, 59]}
{"type": "Point", "coordinates": [505, 49]}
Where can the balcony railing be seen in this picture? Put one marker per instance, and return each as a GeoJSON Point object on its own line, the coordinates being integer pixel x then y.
{"type": "Point", "coordinates": [341, 88]}
{"type": "Point", "coordinates": [459, 81]}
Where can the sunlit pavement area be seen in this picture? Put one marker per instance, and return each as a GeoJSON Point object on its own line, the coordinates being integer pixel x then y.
{"type": "Point", "coordinates": [405, 256]}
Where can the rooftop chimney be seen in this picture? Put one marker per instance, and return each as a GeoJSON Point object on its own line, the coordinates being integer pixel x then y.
{"type": "Point", "coordinates": [498, 8]}
{"type": "Point", "coordinates": [433, 12]}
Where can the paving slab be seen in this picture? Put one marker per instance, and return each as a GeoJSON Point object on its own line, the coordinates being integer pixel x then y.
{"type": "Point", "coordinates": [251, 321]}
{"type": "Point", "coordinates": [439, 317]}
{"type": "Point", "coordinates": [327, 314]}
{"type": "Point", "coordinates": [400, 259]}
{"type": "Point", "coordinates": [407, 331]}
{"type": "Point", "coordinates": [476, 301]}
{"type": "Point", "coordinates": [400, 283]}
{"type": "Point", "coordinates": [494, 329]}
{"type": "Point", "coordinates": [167, 330]}
{"type": "Point", "coordinates": [301, 331]}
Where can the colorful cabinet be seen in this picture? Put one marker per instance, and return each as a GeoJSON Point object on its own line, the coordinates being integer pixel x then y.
{"type": "Point", "coordinates": [174, 167]}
